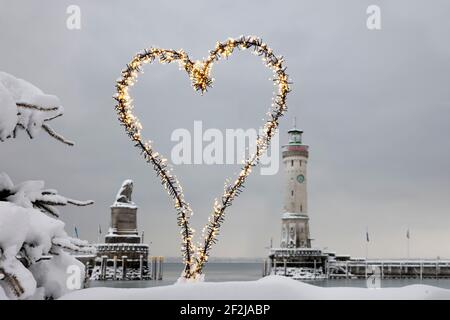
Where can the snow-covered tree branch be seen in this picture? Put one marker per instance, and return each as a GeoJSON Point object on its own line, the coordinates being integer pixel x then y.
{"type": "Point", "coordinates": [32, 194]}
{"type": "Point", "coordinates": [25, 107]}
{"type": "Point", "coordinates": [34, 248]}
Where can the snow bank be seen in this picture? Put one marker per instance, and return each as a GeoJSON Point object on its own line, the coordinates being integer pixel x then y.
{"type": "Point", "coordinates": [268, 288]}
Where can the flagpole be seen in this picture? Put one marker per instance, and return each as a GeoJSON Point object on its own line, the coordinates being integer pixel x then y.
{"type": "Point", "coordinates": [99, 231]}
{"type": "Point", "coordinates": [367, 250]}
{"type": "Point", "coordinates": [407, 243]}
{"type": "Point", "coordinates": [367, 243]}
{"type": "Point", "coordinates": [408, 249]}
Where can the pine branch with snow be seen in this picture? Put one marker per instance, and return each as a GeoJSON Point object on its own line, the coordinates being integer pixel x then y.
{"type": "Point", "coordinates": [32, 194]}
{"type": "Point", "coordinates": [34, 248]}
{"type": "Point", "coordinates": [25, 107]}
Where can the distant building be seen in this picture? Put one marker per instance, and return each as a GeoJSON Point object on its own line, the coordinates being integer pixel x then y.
{"type": "Point", "coordinates": [295, 220]}
{"type": "Point", "coordinates": [295, 246]}
{"type": "Point", "coordinates": [296, 258]}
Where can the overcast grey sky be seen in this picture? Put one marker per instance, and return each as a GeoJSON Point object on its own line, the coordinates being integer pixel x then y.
{"type": "Point", "coordinates": [375, 107]}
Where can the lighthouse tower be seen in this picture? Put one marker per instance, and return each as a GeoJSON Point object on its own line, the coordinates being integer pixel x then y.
{"type": "Point", "coordinates": [295, 220]}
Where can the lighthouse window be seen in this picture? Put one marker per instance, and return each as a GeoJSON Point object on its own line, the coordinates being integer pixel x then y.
{"type": "Point", "coordinates": [300, 163]}
{"type": "Point", "coordinates": [292, 192]}
{"type": "Point", "coordinates": [292, 163]}
{"type": "Point", "coordinates": [301, 208]}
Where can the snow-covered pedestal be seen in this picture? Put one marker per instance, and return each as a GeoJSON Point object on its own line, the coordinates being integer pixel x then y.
{"type": "Point", "coordinates": [123, 247]}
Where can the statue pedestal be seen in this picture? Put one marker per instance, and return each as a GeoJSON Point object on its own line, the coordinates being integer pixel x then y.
{"type": "Point", "coordinates": [123, 225]}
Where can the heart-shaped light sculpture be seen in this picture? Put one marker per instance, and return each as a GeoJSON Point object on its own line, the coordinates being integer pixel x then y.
{"type": "Point", "coordinates": [199, 72]}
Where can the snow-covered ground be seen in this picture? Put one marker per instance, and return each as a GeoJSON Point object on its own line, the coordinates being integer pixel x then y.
{"type": "Point", "coordinates": [269, 288]}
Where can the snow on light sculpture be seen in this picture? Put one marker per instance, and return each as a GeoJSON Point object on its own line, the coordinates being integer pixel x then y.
{"type": "Point", "coordinates": [199, 73]}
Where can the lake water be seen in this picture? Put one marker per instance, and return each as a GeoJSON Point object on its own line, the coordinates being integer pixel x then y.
{"type": "Point", "coordinates": [216, 272]}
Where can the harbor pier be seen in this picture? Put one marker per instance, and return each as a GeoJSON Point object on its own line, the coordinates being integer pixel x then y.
{"type": "Point", "coordinates": [297, 259]}
{"type": "Point", "coordinates": [313, 264]}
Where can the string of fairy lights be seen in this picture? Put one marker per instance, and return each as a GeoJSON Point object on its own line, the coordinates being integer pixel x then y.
{"type": "Point", "coordinates": [195, 257]}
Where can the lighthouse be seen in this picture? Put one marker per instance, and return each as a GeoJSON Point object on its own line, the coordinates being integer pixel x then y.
{"type": "Point", "coordinates": [295, 220]}
{"type": "Point", "coordinates": [295, 258]}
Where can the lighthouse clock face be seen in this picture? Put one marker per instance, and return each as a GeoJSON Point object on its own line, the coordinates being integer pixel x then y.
{"type": "Point", "coordinates": [300, 178]}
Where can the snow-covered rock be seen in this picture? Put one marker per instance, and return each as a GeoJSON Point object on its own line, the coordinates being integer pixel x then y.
{"type": "Point", "coordinates": [268, 288]}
